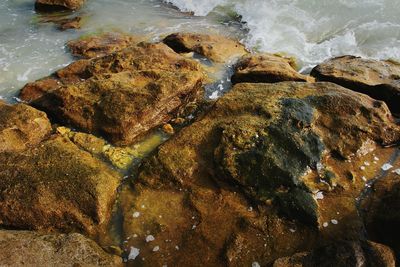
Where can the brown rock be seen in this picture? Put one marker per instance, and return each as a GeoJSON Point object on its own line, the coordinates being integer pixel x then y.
{"type": "Point", "coordinates": [22, 248]}
{"type": "Point", "coordinates": [240, 184]}
{"type": "Point", "coordinates": [214, 47]}
{"type": "Point", "coordinates": [378, 79]}
{"type": "Point", "coordinates": [343, 254]}
{"type": "Point", "coordinates": [266, 68]}
{"type": "Point", "coordinates": [35, 90]}
{"type": "Point", "coordinates": [100, 45]}
{"type": "Point", "coordinates": [55, 186]}
{"type": "Point", "coordinates": [49, 5]}
{"type": "Point", "coordinates": [72, 23]}
{"type": "Point", "coordinates": [381, 209]}
{"type": "Point", "coordinates": [129, 92]}
{"type": "Point", "coordinates": [21, 126]}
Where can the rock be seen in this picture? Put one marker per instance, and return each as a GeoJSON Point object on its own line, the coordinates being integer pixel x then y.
{"type": "Point", "coordinates": [72, 23]}
{"type": "Point", "coordinates": [20, 248]}
{"type": "Point", "coordinates": [21, 126]}
{"type": "Point", "coordinates": [35, 90]}
{"type": "Point", "coordinates": [125, 94]}
{"type": "Point", "coordinates": [214, 47]}
{"type": "Point", "coordinates": [101, 45]}
{"type": "Point", "coordinates": [50, 5]}
{"type": "Point", "coordinates": [55, 186]}
{"type": "Point", "coordinates": [381, 209]}
{"type": "Point", "coordinates": [378, 79]}
{"type": "Point", "coordinates": [247, 182]}
{"type": "Point", "coordinates": [266, 68]}
{"type": "Point", "coordinates": [342, 254]}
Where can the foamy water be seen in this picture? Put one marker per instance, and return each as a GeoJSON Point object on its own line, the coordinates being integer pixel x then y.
{"type": "Point", "coordinates": [314, 30]}
{"type": "Point", "coordinates": [311, 30]}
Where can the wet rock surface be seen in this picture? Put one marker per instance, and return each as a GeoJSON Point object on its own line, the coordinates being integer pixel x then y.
{"type": "Point", "coordinates": [381, 208]}
{"type": "Point", "coordinates": [55, 186]}
{"type": "Point", "coordinates": [122, 95]}
{"type": "Point", "coordinates": [101, 44]}
{"type": "Point", "coordinates": [266, 172]}
{"type": "Point", "coordinates": [21, 248]}
{"type": "Point", "coordinates": [216, 48]}
{"type": "Point", "coordinates": [21, 126]}
{"type": "Point", "coordinates": [378, 79]}
{"type": "Point", "coordinates": [266, 68]}
{"type": "Point", "coordinates": [343, 254]}
{"type": "Point", "coordinates": [51, 5]}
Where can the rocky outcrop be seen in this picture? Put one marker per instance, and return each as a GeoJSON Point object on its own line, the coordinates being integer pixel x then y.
{"type": "Point", "coordinates": [49, 5]}
{"type": "Point", "coordinates": [21, 248]}
{"type": "Point", "coordinates": [343, 254]}
{"type": "Point", "coordinates": [71, 23]}
{"type": "Point", "coordinates": [270, 170]}
{"type": "Point", "coordinates": [101, 45]}
{"type": "Point", "coordinates": [378, 79]}
{"type": "Point", "coordinates": [55, 186]}
{"type": "Point", "coordinates": [122, 95]}
{"type": "Point", "coordinates": [214, 47]}
{"type": "Point", "coordinates": [21, 126]}
{"type": "Point", "coordinates": [381, 208]}
{"type": "Point", "coordinates": [266, 68]}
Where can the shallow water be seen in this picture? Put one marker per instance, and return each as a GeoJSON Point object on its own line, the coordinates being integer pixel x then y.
{"type": "Point", "coordinates": [31, 49]}
{"type": "Point", "coordinates": [313, 30]}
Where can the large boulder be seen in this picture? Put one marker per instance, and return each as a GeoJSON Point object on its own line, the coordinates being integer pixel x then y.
{"type": "Point", "coordinates": [48, 5]}
{"type": "Point", "coordinates": [381, 208]}
{"type": "Point", "coordinates": [217, 48]}
{"type": "Point", "coordinates": [21, 126]}
{"type": "Point", "coordinates": [266, 68]}
{"type": "Point", "coordinates": [21, 248]}
{"type": "Point", "coordinates": [101, 44]}
{"type": "Point", "coordinates": [270, 169]}
{"type": "Point", "coordinates": [122, 95]}
{"type": "Point", "coordinates": [342, 254]}
{"type": "Point", "coordinates": [378, 79]}
{"type": "Point", "coordinates": [56, 186]}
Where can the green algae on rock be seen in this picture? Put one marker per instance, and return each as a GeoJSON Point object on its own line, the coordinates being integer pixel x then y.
{"type": "Point", "coordinates": [21, 248]}
{"type": "Point", "coordinates": [378, 79]}
{"type": "Point", "coordinates": [246, 181]}
{"type": "Point", "coordinates": [266, 68]}
{"type": "Point", "coordinates": [214, 47]}
{"type": "Point", "coordinates": [56, 186]}
{"type": "Point", "coordinates": [21, 126]}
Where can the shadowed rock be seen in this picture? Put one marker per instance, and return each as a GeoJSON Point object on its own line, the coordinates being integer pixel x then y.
{"type": "Point", "coordinates": [214, 47]}
{"type": "Point", "coordinates": [378, 79]}
{"type": "Point", "coordinates": [21, 248]}
{"type": "Point", "coordinates": [343, 254]}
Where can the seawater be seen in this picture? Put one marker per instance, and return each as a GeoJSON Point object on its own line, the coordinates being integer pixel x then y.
{"type": "Point", "coordinates": [311, 30]}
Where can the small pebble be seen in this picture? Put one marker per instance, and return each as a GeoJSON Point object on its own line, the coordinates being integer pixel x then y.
{"type": "Point", "coordinates": [364, 179]}
{"type": "Point", "coordinates": [150, 238]}
{"type": "Point", "coordinates": [362, 168]}
{"type": "Point", "coordinates": [325, 224]}
{"type": "Point", "coordinates": [334, 221]}
{"type": "Point", "coordinates": [376, 158]}
{"type": "Point", "coordinates": [133, 253]}
{"type": "Point", "coordinates": [397, 171]}
{"type": "Point", "coordinates": [292, 230]}
{"type": "Point", "coordinates": [366, 163]}
{"type": "Point", "coordinates": [319, 195]}
{"type": "Point", "coordinates": [255, 264]}
{"type": "Point", "coordinates": [136, 214]}
{"type": "Point", "coordinates": [386, 166]}
{"type": "Point", "coordinates": [156, 248]}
